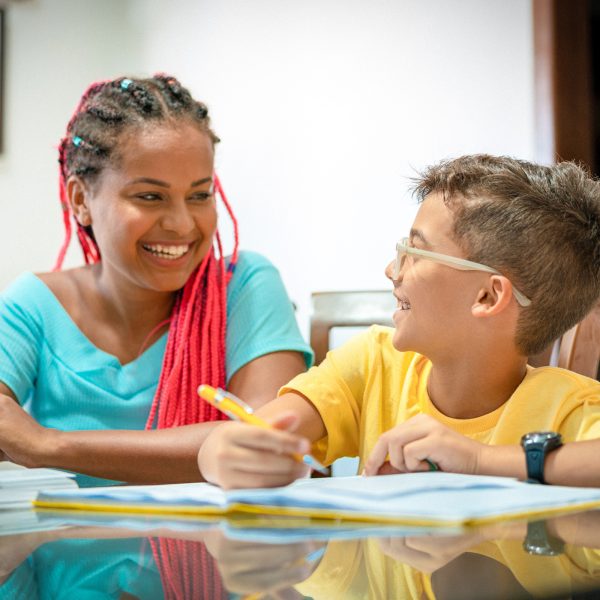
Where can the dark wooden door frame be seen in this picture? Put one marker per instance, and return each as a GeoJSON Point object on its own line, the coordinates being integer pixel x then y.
{"type": "Point", "coordinates": [563, 84]}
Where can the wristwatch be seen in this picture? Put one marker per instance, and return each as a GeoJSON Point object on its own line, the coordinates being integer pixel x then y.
{"type": "Point", "coordinates": [536, 446]}
{"type": "Point", "coordinates": [539, 542]}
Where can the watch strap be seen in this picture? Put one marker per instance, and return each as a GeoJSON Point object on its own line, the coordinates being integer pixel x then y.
{"type": "Point", "coordinates": [535, 464]}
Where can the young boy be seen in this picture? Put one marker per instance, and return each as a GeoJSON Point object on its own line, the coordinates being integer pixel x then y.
{"type": "Point", "coordinates": [503, 257]}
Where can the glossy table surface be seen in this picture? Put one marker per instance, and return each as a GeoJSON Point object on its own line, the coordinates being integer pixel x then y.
{"type": "Point", "coordinates": [85, 555]}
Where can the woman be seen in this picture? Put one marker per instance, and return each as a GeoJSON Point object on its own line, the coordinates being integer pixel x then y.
{"type": "Point", "coordinates": [84, 351]}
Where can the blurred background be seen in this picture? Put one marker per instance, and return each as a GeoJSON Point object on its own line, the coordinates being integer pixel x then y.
{"type": "Point", "coordinates": [325, 109]}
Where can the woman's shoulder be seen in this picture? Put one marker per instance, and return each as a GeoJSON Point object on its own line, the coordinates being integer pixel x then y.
{"type": "Point", "coordinates": [249, 266]}
{"type": "Point", "coordinates": [27, 288]}
{"type": "Point", "coordinates": [250, 260]}
{"type": "Point", "coordinates": [64, 285]}
{"type": "Point", "coordinates": [44, 291]}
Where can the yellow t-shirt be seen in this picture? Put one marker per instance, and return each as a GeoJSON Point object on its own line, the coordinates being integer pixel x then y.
{"type": "Point", "coordinates": [366, 387]}
{"type": "Point", "coordinates": [360, 569]}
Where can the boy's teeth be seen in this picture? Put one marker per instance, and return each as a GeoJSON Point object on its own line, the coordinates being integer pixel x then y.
{"type": "Point", "coordinates": [167, 251]}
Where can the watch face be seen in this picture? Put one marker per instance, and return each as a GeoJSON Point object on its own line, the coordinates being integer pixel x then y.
{"type": "Point", "coordinates": [550, 439]}
{"type": "Point", "coordinates": [539, 543]}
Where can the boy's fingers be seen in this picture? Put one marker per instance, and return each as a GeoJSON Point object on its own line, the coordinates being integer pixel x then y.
{"type": "Point", "coordinates": [377, 457]}
{"type": "Point", "coordinates": [416, 455]}
{"type": "Point", "coordinates": [263, 462]}
{"type": "Point", "coordinates": [240, 479]}
{"type": "Point", "coordinates": [387, 469]}
{"type": "Point", "coordinates": [397, 458]}
{"type": "Point", "coordinates": [274, 440]}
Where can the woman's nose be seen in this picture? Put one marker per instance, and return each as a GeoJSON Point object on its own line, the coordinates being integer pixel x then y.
{"type": "Point", "coordinates": [179, 219]}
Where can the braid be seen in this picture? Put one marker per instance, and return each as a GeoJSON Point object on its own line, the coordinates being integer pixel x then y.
{"type": "Point", "coordinates": [193, 574]}
{"type": "Point", "coordinates": [195, 351]}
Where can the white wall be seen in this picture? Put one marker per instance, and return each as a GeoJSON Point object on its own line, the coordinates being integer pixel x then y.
{"type": "Point", "coordinates": [54, 49]}
{"type": "Point", "coordinates": [325, 108]}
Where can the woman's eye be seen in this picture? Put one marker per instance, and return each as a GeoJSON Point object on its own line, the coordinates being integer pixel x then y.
{"type": "Point", "coordinates": [149, 197]}
{"type": "Point", "coordinates": [201, 196]}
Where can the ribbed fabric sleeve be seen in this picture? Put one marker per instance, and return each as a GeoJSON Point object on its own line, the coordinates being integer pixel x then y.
{"type": "Point", "coordinates": [261, 316]}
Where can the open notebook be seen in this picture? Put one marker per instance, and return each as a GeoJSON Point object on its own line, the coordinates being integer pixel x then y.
{"type": "Point", "coordinates": [417, 498]}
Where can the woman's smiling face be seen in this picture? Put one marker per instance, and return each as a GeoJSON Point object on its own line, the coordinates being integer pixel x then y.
{"type": "Point", "coordinates": [153, 214]}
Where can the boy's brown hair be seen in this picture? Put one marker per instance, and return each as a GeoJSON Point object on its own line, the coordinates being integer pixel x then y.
{"type": "Point", "coordinates": [538, 225]}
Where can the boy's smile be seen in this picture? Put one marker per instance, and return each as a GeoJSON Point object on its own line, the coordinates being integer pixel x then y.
{"type": "Point", "coordinates": [434, 300]}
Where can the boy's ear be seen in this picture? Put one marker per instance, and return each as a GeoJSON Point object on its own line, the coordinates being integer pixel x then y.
{"type": "Point", "coordinates": [493, 298]}
{"type": "Point", "coordinates": [78, 195]}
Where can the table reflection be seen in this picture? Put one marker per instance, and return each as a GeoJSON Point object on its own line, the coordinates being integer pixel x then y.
{"type": "Point", "coordinates": [108, 556]}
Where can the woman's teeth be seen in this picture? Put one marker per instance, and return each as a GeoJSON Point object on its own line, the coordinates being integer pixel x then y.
{"type": "Point", "coordinates": [168, 252]}
{"type": "Point", "coordinates": [403, 304]}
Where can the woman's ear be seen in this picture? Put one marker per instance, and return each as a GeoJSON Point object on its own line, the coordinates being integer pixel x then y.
{"type": "Point", "coordinates": [77, 194]}
{"type": "Point", "coordinates": [493, 298]}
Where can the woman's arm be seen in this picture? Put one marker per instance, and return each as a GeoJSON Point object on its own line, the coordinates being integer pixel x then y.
{"type": "Point", "coordinates": [158, 456]}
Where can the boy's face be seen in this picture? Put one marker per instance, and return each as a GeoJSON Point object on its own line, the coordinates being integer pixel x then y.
{"type": "Point", "coordinates": [434, 301]}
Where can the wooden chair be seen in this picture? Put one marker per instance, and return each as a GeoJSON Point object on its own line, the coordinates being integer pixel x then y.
{"type": "Point", "coordinates": [579, 348]}
{"type": "Point", "coordinates": [331, 310]}
{"type": "Point", "coordinates": [347, 309]}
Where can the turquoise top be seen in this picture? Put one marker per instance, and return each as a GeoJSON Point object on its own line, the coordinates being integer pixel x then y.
{"type": "Point", "coordinates": [66, 382]}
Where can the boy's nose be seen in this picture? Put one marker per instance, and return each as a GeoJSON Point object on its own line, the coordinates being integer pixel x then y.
{"type": "Point", "coordinates": [389, 270]}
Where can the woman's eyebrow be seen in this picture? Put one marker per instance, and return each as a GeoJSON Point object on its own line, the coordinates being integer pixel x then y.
{"type": "Point", "coordinates": [201, 181]}
{"type": "Point", "coordinates": [165, 184]}
{"type": "Point", "coordinates": [150, 181]}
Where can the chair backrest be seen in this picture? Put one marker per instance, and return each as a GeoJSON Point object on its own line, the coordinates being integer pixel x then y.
{"type": "Point", "coordinates": [332, 310]}
{"type": "Point", "coordinates": [579, 348]}
{"type": "Point", "coordinates": [347, 309]}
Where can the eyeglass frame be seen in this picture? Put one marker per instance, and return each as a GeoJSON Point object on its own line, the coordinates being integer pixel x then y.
{"type": "Point", "coordinates": [462, 264]}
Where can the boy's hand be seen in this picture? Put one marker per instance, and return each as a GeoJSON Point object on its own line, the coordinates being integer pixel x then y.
{"type": "Point", "coordinates": [238, 455]}
{"type": "Point", "coordinates": [419, 439]}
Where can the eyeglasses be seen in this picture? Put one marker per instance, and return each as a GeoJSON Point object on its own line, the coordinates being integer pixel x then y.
{"type": "Point", "coordinates": [403, 250]}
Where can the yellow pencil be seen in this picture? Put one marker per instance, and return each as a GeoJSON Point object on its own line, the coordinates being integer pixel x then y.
{"type": "Point", "coordinates": [238, 410]}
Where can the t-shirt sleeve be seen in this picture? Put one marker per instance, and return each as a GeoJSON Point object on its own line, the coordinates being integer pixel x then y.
{"type": "Point", "coordinates": [336, 388]}
{"type": "Point", "coordinates": [260, 315]}
{"type": "Point", "coordinates": [583, 423]}
{"type": "Point", "coordinates": [19, 344]}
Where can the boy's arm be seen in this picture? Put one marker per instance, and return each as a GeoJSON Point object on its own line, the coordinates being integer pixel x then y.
{"type": "Point", "coordinates": [575, 464]}
{"type": "Point", "coordinates": [238, 455]}
{"type": "Point", "coordinates": [422, 439]}
{"type": "Point", "coordinates": [310, 424]}
{"type": "Point", "coordinates": [407, 446]}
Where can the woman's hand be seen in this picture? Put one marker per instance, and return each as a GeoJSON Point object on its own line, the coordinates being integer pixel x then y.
{"type": "Point", "coordinates": [22, 439]}
{"type": "Point", "coordinates": [238, 455]}
{"type": "Point", "coordinates": [421, 439]}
